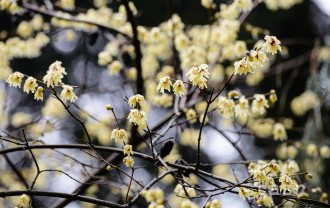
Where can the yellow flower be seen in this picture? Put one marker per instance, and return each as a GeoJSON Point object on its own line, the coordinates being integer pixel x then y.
{"type": "Point", "coordinates": [258, 57]}
{"type": "Point", "coordinates": [199, 75]}
{"type": "Point", "coordinates": [259, 176]}
{"type": "Point", "coordinates": [178, 88]}
{"type": "Point", "coordinates": [279, 132]}
{"type": "Point", "coordinates": [119, 134]}
{"type": "Point", "coordinates": [273, 168]}
{"type": "Point", "coordinates": [67, 4]}
{"type": "Point", "coordinates": [324, 198]}
{"type": "Point", "coordinates": [24, 201]}
{"type": "Point", "coordinates": [244, 5]}
{"type": "Point", "coordinates": [226, 107]}
{"type": "Point", "coordinates": [109, 168]}
{"type": "Point", "coordinates": [115, 67]}
{"type": "Point", "coordinates": [303, 195]}
{"type": "Point", "coordinates": [245, 193]}
{"type": "Point", "coordinates": [208, 4]}
{"type": "Point", "coordinates": [155, 195]}
{"type": "Point", "coordinates": [38, 95]}
{"type": "Point", "coordinates": [243, 67]}
{"type": "Point", "coordinates": [184, 192]}
{"type": "Point", "coordinates": [270, 183]}
{"type": "Point", "coordinates": [287, 184]}
{"type": "Point", "coordinates": [128, 161]}
{"type": "Point", "coordinates": [68, 94]}
{"type": "Point", "coordinates": [191, 115]}
{"type": "Point", "coordinates": [325, 152]}
{"type": "Point", "coordinates": [259, 104]}
{"type": "Point", "coordinates": [54, 74]}
{"type": "Point", "coordinates": [100, 3]}
{"type": "Point", "coordinates": [24, 29]}
{"type": "Point", "coordinates": [213, 204]}
{"type": "Point", "coordinates": [312, 150]}
{"type": "Point", "coordinates": [164, 100]}
{"type": "Point", "coordinates": [15, 79]}
{"type": "Point", "coordinates": [138, 117]}
{"type": "Point", "coordinates": [136, 101]}
{"type": "Point", "coordinates": [242, 108]}
{"type": "Point", "coordinates": [265, 201]}
{"type": "Point", "coordinates": [30, 85]}
{"type": "Point", "coordinates": [128, 150]}
{"type": "Point", "coordinates": [104, 58]}
{"type": "Point", "coordinates": [164, 84]}
{"type": "Point", "coordinates": [272, 44]}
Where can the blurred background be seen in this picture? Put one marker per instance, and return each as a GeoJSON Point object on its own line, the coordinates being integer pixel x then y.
{"type": "Point", "coordinates": [300, 29]}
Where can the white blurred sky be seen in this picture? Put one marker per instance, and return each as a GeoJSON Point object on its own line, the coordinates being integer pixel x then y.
{"type": "Point", "coordinates": [324, 5]}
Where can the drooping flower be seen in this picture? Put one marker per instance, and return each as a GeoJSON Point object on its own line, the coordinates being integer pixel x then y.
{"type": "Point", "coordinates": [119, 134]}
{"type": "Point", "coordinates": [30, 85]}
{"type": "Point", "coordinates": [38, 95]}
{"type": "Point", "coordinates": [68, 94]}
{"type": "Point", "coordinates": [279, 132]}
{"type": "Point", "coordinates": [259, 104]}
{"type": "Point", "coordinates": [178, 88]}
{"type": "Point", "coordinates": [288, 184]}
{"type": "Point", "coordinates": [242, 110]}
{"type": "Point", "coordinates": [164, 84]}
{"type": "Point", "coordinates": [54, 74]}
{"type": "Point", "coordinates": [128, 150]}
{"type": "Point", "coordinates": [243, 67]}
{"type": "Point", "coordinates": [15, 79]}
{"type": "Point", "coordinates": [136, 101]}
{"type": "Point", "coordinates": [198, 76]}
{"type": "Point", "coordinates": [128, 161]}
{"type": "Point", "coordinates": [138, 118]}
{"type": "Point", "coordinates": [258, 57]}
{"type": "Point", "coordinates": [226, 107]}
{"type": "Point", "coordinates": [272, 44]}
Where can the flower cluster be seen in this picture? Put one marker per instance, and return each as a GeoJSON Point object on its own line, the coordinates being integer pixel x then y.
{"type": "Point", "coordinates": [54, 74]}
{"type": "Point", "coordinates": [165, 83]}
{"type": "Point", "coordinates": [264, 174]}
{"type": "Point", "coordinates": [199, 75]}
{"type": "Point", "coordinates": [304, 102]}
{"type": "Point", "coordinates": [256, 59]}
{"type": "Point", "coordinates": [154, 196]}
{"type": "Point", "coordinates": [52, 79]}
{"type": "Point", "coordinates": [128, 160]}
{"type": "Point", "coordinates": [137, 116]}
{"type": "Point", "coordinates": [184, 191]}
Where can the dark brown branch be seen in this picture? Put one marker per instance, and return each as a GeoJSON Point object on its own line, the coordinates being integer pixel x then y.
{"type": "Point", "coordinates": [230, 141]}
{"type": "Point", "coordinates": [137, 48]}
{"type": "Point", "coordinates": [71, 197]}
{"type": "Point", "coordinates": [111, 159]}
